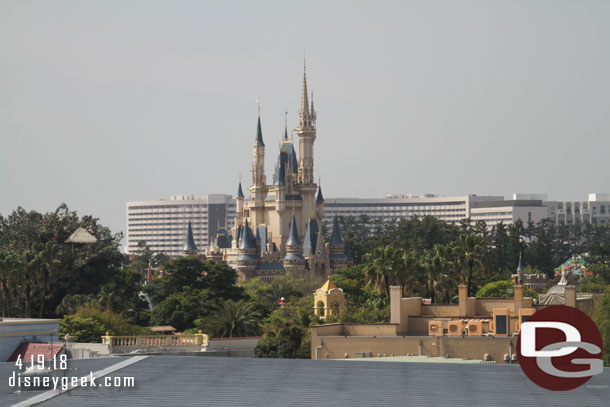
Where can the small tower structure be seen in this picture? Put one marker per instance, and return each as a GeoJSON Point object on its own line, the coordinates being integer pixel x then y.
{"type": "Point", "coordinates": [329, 300]}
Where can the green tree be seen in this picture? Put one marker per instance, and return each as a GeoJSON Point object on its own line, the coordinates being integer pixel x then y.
{"type": "Point", "coordinates": [86, 330]}
{"type": "Point", "coordinates": [602, 319]}
{"type": "Point", "coordinates": [49, 261]}
{"type": "Point", "coordinates": [383, 267]}
{"type": "Point", "coordinates": [230, 319]}
{"type": "Point", "coordinates": [500, 289]}
{"type": "Point", "coordinates": [469, 252]}
{"type": "Point", "coordinates": [191, 272]}
{"type": "Point", "coordinates": [286, 331]}
{"type": "Point", "coordinates": [7, 275]}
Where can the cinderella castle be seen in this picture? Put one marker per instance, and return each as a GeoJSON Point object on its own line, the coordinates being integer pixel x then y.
{"type": "Point", "coordinates": [279, 229]}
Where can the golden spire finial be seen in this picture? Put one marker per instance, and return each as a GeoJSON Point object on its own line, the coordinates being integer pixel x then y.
{"type": "Point", "coordinates": [258, 106]}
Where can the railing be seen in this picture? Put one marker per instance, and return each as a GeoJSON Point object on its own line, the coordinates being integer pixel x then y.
{"type": "Point", "coordinates": [144, 341]}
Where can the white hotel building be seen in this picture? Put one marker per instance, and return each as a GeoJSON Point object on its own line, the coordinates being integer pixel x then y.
{"type": "Point", "coordinates": [492, 209]}
{"type": "Point", "coordinates": [162, 223]}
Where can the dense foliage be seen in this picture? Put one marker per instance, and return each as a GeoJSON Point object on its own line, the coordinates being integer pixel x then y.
{"type": "Point", "coordinates": [96, 289]}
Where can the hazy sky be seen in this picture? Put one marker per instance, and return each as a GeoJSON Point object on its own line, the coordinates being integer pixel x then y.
{"type": "Point", "coordinates": [103, 102]}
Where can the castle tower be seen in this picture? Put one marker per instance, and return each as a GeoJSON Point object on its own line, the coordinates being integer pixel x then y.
{"type": "Point", "coordinates": [294, 260]}
{"type": "Point", "coordinates": [247, 259]}
{"type": "Point", "coordinates": [239, 215]}
{"type": "Point", "coordinates": [306, 130]}
{"type": "Point", "coordinates": [259, 181]}
{"type": "Point", "coordinates": [338, 259]}
{"type": "Point", "coordinates": [189, 249]}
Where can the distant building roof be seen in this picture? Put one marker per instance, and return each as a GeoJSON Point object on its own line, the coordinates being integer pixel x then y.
{"type": "Point", "coordinates": [328, 285]}
{"type": "Point", "coordinates": [270, 267]}
{"type": "Point", "coordinates": [29, 350]}
{"type": "Point", "coordinates": [81, 235]}
{"type": "Point", "coordinates": [163, 328]}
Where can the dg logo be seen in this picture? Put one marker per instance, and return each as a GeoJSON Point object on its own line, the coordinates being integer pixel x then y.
{"type": "Point", "coordinates": [560, 348]}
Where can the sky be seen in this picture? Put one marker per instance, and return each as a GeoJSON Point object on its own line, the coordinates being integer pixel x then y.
{"type": "Point", "coordinates": [104, 102]}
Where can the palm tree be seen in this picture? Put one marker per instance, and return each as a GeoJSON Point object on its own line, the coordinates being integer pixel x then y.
{"type": "Point", "coordinates": [26, 263]}
{"type": "Point", "coordinates": [469, 254]}
{"type": "Point", "coordinates": [107, 295]}
{"type": "Point", "coordinates": [7, 268]}
{"type": "Point", "coordinates": [435, 265]}
{"type": "Point", "coordinates": [231, 319]}
{"type": "Point", "coordinates": [383, 267]}
{"type": "Point", "coordinates": [48, 257]}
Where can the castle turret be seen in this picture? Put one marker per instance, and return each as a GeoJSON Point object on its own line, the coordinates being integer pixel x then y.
{"type": "Point", "coordinates": [259, 181]}
{"type": "Point", "coordinates": [338, 259]}
{"type": "Point", "coordinates": [189, 248]}
{"type": "Point", "coordinates": [294, 260]}
{"type": "Point", "coordinates": [247, 258]}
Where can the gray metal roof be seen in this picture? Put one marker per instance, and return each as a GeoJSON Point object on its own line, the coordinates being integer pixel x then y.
{"type": "Point", "coordinates": [215, 381]}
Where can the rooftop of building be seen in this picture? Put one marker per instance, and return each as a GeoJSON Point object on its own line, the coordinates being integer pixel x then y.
{"type": "Point", "coordinates": [197, 381]}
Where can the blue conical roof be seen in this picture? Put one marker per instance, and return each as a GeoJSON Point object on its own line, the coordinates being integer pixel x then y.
{"type": "Point", "coordinates": [336, 237]}
{"type": "Point", "coordinates": [319, 197]}
{"type": "Point", "coordinates": [311, 237]}
{"type": "Point", "coordinates": [189, 241]}
{"type": "Point", "coordinates": [247, 241]}
{"type": "Point", "coordinates": [293, 237]}
{"type": "Point", "coordinates": [259, 134]}
{"type": "Point", "coordinates": [240, 192]}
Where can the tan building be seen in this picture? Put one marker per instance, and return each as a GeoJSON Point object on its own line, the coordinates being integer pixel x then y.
{"type": "Point", "coordinates": [474, 328]}
{"type": "Point", "coordinates": [329, 300]}
{"type": "Point", "coordinates": [277, 230]}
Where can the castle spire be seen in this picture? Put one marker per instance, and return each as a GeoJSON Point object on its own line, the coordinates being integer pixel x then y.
{"type": "Point", "coordinates": [319, 197]}
{"type": "Point", "coordinates": [293, 237]}
{"type": "Point", "coordinates": [258, 166]}
{"type": "Point", "coordinates": [285, 126]}
{"type": "Point", "coordinates": [259, 131]}
{"type": "Point", "coordinates": [304, 113]}
{"type": "Point", "coordinates": [240, 191]}
{"type": "Point", "coordinates": [189, 241]}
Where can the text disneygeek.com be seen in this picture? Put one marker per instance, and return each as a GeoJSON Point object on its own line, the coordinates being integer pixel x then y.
{"type": "Point", "coordinates": [66, 383]}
